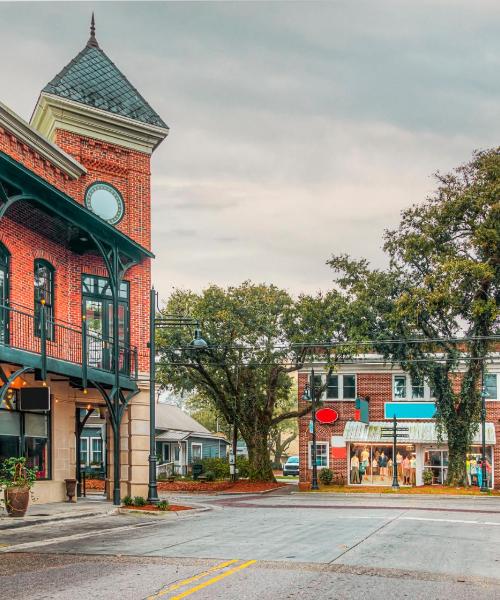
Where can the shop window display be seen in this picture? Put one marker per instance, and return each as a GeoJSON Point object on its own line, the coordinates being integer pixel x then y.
{"type": "Point", "coordinates": [373, 464]}
{"type": "Point", "coordinates": [474, 466]}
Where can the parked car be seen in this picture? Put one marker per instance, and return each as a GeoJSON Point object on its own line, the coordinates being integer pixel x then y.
{"type": "Point", "coordinates": [291, 466]}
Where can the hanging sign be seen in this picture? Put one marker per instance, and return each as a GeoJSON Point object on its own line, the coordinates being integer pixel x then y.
{"type": "Point", "coordinates": [327, 415]}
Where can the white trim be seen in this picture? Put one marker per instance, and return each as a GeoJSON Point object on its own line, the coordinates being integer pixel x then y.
{"type": "Point", "coordinates": [309, 452]}
{"type": "Point", "coordinates": [408, 390]}
{"type": "Point", "coordinates": [29, 135]}
{"type": "Point", "coordinates": [201, 450]}
{"type": "Point", "coordinates": [52, 113]}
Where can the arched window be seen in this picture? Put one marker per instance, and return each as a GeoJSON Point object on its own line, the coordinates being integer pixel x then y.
{"type": "Point", "coordinates": [4, 293]}
{"type": "Point", "coordinates": [44, 290]}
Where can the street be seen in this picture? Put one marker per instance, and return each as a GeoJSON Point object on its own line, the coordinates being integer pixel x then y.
{"type": "Point", "coordinates": [280, 545]}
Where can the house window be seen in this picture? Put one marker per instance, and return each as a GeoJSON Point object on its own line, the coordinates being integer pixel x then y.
{"type": "Point", "coordinates": [196, 452]}
{"type": "Point", "coordinates": [84, 452]}
{"type": "Point", "coordinates": [166, 453]}
{"type": "Point", "coordinates": [406, 388]}
{"type": "Point", "coordinates": [96, 450]}
{"type": "Point", "coordinates": [342, 387]}
{"type": "Point", "coordinates": [490, 385]}
{"type": "Point", "coordinates": [322, 458]}
{"type": "Point", "coordinates": [44, 292]}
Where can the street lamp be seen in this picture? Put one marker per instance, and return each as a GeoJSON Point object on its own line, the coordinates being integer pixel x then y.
{"type": "Point", "coordinates": [311, 393]}
{"type": "Point", "coordinates": [484, 395]}
{"type": "Point", "coordinates": [198, 343]}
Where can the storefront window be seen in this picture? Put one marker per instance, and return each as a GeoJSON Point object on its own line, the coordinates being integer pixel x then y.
{"type": "Point", "coordinates": [26, 434]}
{"type": "Point", "coordinates": [474, 466]}
{"type": "Point", "coordinates": [373, 464]}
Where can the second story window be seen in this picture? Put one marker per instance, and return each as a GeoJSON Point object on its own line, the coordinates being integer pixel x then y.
{"type": "Point", "coordinates": [44, 290]}
{"type": "Point", "coordinates": [406, 388]}
{"type": "Point", "coordinates": [341, 387]}
{"type": "Point", "coordinates": [491, 386]}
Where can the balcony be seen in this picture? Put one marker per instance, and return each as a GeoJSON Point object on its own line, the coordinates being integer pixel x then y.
{"type": "Point", "coordinates": [61, 348]}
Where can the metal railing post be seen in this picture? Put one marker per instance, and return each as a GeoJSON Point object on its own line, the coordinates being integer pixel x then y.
{"type": "Point", "coordinates": [43, 339]}
{"type": "Point", "coordinates": [84, 352]}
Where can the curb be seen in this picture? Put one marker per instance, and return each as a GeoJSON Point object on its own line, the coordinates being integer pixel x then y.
{"type": "Point", "coordinates": [163, 515]}
{"type": "Point", "coordinates": [399, 496]}
{"type": "Point", "coordinates": [26, 522]}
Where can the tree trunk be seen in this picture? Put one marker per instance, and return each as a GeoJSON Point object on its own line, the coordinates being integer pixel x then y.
{"type": "Point", "coordinates": [258, 453]}
{"type": "Point", "coordinates": [457, 456]}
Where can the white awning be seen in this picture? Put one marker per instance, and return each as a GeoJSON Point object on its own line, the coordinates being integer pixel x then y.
{"type": "Point", "coordinates": [418, 433]}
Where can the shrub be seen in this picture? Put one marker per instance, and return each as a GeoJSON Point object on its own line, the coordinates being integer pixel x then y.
{"type": "Point", "coordinates": [210, 476]}
{"type": "Point", "coordinates": [163, 505]}
{"type": "Point", "coordinates": [427, 477]}
{"type": "Point", "coordinates": [127, 501]}
{"type": "Point", "coordinates": [243, 467]}
{"type": "Point", "coordinates": [139, 501]}
{"type": "Point", "coordinates": [326, 476]}
{"type": "Point", "coordinates": [218, 466]}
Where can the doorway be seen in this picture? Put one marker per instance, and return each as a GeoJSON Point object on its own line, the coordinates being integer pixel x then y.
{"type": "Point", "coordinates": [98, 310]}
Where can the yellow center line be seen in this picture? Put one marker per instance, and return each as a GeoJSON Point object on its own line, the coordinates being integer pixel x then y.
{"type": "Point", "coordinates": [176, 586]}
{"type": "Point", "coordinates": [213, 580]}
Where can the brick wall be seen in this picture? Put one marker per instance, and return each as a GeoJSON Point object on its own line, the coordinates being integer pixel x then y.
{"type": "Point", "coordinates": [129, 172]}
{"type": "Point", "coordinates": [378, 386]}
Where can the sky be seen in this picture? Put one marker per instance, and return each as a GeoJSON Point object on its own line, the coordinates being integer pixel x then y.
{"type": "Point", "coordinates": [298, 130]}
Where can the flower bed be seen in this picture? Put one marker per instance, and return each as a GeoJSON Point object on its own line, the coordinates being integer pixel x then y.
{"type": "Point", "coordinates": [154, 508]}
{"type": "Point", "coordinates": [95, 484]}
{"type": "Point", "coordinates": [242, 486]}
{"type": "Point", "coordinates": [421, 489]}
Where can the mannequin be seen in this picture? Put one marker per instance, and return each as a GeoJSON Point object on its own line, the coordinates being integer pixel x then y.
{"type": "Point", "coordinates": [355, 469]}
{"type": "Point", "coordinates": [406, 470]}
{"type": "Point", "coordinates": [382, 461]}
{"type": "Point", "coordinates": [413, 470]}
{"type": "Point", "coordinates": [399, 460]}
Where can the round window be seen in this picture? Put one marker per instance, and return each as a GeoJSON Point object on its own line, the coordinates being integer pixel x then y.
{"type": "Point", "coordinates": [105, 201]}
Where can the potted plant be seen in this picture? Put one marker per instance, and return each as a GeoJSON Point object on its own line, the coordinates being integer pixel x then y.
{"type": "Point", "coordinates": [16, 479]}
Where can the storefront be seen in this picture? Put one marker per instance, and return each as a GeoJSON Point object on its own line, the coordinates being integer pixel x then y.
{"type": "Point", "coordinates": [370, 459]}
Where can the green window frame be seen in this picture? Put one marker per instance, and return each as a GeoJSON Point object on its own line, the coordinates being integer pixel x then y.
{"type": "Point", "coordinates": [43, 285]}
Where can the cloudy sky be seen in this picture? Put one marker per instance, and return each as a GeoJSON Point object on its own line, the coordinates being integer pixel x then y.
{"type": "Point", "coordinates": [298, 130]}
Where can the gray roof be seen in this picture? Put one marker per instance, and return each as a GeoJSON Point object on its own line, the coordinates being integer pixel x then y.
{"type": "Point", "coordinates": [91, 78]}
{"type": "Point", "coordinates": [170, 417]}
{"type": "Point", "coordinates": [418, 432]}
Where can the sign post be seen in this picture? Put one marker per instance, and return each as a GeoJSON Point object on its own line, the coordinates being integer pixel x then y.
{"type": "Point", "coordinates": [394, 432]}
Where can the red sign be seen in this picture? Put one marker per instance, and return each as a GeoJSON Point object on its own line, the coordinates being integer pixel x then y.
{"type": "Point", "coordinates": [327, 415]}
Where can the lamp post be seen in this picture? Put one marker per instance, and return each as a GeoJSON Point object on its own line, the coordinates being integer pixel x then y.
{"type": "Point", "coordinates": [310, 393]}
{"type": "Point", "coordinates": [197, 344]}
{"type": "Point", "coordinates": [484, 395]}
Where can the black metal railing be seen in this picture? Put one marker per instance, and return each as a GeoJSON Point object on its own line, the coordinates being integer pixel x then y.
{"type": "Point", "coordinates": [22, 329]}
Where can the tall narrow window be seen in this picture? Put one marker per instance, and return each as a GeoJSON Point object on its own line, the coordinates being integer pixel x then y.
{"type": "Point", "coordinates": [44, 291]}
{"type": "Point", "coordinates": [4, 294]}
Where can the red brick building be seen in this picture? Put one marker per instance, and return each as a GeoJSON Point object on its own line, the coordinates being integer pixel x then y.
{"type": "Point", "coordinates": [360, 453]}
{"type": "Point", "coordinates": [75, 271]}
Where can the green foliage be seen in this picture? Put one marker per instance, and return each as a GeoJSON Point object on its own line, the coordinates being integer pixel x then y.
{"type": "Point", "coordinates": [218, 466]}
{"type": "Point", "coordinates": [128, 501]}
{"type": "Point", "coordinates": [256, 336]}
{"type": "Point", "coordinates": [210, 476]}
{"type": "Point", "coordinates": [243, 466]}
{"type": "Point", "coordinates": [427, 476]}
{"type": "Point", "coordinates": [163, 505]}
{"type": "Point", "coordinates": [15, 473]}
{"type": "Point", "coordinates": [139, 501]}
{"type": "Point", "coordinates": [443, 282]}
{"type": "Point", "coordinates": [326, 476]}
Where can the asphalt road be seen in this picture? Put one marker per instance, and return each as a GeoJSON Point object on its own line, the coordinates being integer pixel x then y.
{"type": "Point", "coordinates": [266, 547]}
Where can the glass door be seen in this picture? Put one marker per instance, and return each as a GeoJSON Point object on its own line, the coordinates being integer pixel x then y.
{"type": "Point", "coordinates": [436, 461]}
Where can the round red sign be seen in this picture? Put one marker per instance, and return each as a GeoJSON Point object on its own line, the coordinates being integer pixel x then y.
{"type": "Point", "coordinates": [327, 415]}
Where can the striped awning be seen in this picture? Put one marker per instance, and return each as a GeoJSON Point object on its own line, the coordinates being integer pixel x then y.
{"type": "Point", "coordinates": [418, 433]}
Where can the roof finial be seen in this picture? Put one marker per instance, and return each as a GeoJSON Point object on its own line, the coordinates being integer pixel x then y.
{"type": "Point", "coordinates": [92, 39]}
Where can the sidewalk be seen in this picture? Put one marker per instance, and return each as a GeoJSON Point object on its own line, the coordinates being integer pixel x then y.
{"type": "Point", "coordinates": [39, 514]}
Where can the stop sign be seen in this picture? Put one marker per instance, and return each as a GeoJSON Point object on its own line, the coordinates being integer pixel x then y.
{"type": "Point", "coordinates": [327, 415]}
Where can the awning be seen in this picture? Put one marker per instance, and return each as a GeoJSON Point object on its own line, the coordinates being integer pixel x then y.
{"type": "Point", "coordinates": [173, 436]}
{"type": "Point", "coordinates": [418, 433]}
